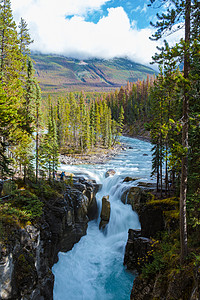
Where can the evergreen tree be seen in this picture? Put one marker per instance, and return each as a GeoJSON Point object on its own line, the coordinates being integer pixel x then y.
{"type": "Point", "coordinates": [86, 131]}
{"type": "Point", "coordinates": [92, 124]}
{"type": "Point", "coordinates": [121, 120]}
{"type": "Point", "coordinates": [37, 127]}
{"type": "Point", "coordinates": [97, 124]}
{"type": "Point", "coordinates": [49, 155]}
{"type": "Point", "coordinates": [30, 94]}
{"type": "Point", "coordinates": [82, 119]}
{"type": "Point", "coordinates": [10, 56]}
{"type": "Point", "coordinates": [24, 38]}
{"type": "Point", "coordinates": [74, 116]}
{"type": "Point", "coordinates": [23, 154]}
{"type": "Point", "coordinates": [181, 10]}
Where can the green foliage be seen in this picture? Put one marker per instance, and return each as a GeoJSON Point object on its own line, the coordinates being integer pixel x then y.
{"type": "Point", "coordinates": [8, 187]}
{"type": "Point", "coordinates": [173, 201]}
{"type": "Point", "coordinates": [196, 259]}
{"type": "Point", "coordinates": [49, 155]}
{"type": "Point", "coordinates": [24, 37]}
{"type": "Point", "coordinates": [17, 95]}
{"type": "Point", "coordinates": [48, 190]}
{"type": "Point", "coordinates": [165, 257]}
{"type": "Point", "coordinates": [28, 202]}
{"type": "Point", "coordinates": [24, 207]}
{"type": "Point", "coordinates": [152, 269]}
{"type": "Point", "coordinates": [194, 209]}
{"type": "Point", "coordinates": [69, 181]}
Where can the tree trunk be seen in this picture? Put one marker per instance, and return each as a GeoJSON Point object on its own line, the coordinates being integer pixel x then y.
{"type": "Point", "coordinates": [166, 171]}
{"type": "Point", "coordinates": [2, 55]}
{"type": "Point", "coordinates": [184, 166]}
{"type": "Point", "coordinates": [37, 144]}
{"type": "Point", "coordinates": [36, 158]}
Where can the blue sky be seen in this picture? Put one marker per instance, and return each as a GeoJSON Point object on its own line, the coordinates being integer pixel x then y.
{"type": "Point", "coordinates": [90, 28]}
{"type": "Point", "coordinates": [136, 10]}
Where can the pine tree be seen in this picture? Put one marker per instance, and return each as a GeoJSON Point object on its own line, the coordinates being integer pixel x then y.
{"type": "Point", "coordinates": [92, 124]}
{"type": "Point", "coordinates": [49, 155]}
{"type": "Point", "coordinates": [180, 10]}
{"type": "Point", "coordinates": [30, 95]}
{"type": "Point", "coordinates": [74, 116]}
{"type": "Point", "coordinates": [37, 127]}
{"type": "Point", "coordinates": [121, 120]}
{"type": "Point", "coordinates": [82, 119]}
{"type": "Point", "coordinates": [24, 38]}
{"type": "Point", "coordinates": [10, 56]}
{"type": "Point", "coordinates": [97, 124]}
{"type": "Point", "coordinates": [86, 130]}
{"type": "Point", "coordinates": [23, 154]}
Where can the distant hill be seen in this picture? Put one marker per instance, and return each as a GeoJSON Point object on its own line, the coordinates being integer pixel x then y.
{"type": "Point", "coordinates": [58, 74]}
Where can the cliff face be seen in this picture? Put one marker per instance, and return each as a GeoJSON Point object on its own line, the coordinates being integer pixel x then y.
{"type": "Point", "coordinates": [180, 283]}
{"type": "Point", "coordinates": [26, 261]}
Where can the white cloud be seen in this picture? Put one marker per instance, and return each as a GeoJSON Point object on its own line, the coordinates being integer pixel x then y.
{"type": "Point", "coordinates": [137, 8]}
{"type": "Point", "coordinates": [112, 36]}
{"type": "Point", "coordinates": [144, 10]}
{"type": "Point", "coordinates": [51, 7]}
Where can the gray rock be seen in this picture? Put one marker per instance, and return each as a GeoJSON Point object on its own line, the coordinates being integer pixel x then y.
{"type": "Point", "coordinates": [137, 249]}
{"type": "Point", "coordinates": [6, 270]}
{"type": "Point", "coordinates": [105, 212]}
{"type": "Point", "coordinates": [128, 179]}
{"type": "Point", "coordinates": [25, 265]}
{"type": "Point", "coordinates": [110, 172]}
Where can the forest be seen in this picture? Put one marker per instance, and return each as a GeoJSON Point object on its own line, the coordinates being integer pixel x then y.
{"type": "Point", "coordinates": [34, 131]}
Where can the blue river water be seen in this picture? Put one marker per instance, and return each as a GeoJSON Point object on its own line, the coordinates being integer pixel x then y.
{"type": "Point", "coordinates": [93, 269]}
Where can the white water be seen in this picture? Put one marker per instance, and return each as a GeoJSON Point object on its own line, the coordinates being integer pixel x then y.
{"type": "Point", "coordinates": [93, 269]}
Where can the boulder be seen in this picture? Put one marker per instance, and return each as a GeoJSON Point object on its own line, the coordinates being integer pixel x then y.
{"type": "Point", "coordinates": [110, 172]}
{"type": "Point", "coordinates": [79, 186]}
{"type": "Point", "coordinates": [136, 197]}
{"type": "Point", "coordinates": [151, 218]}
{"type": "Point", "coordinates": [138, 250]}
{"type": "Point", "coordinates": [128, 179]}
{"type": "Point", "coordinates": [105, 212]}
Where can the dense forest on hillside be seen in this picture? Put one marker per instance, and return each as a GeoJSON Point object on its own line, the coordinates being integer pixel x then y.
{"type": "Point", "coordinates": [35, 131]}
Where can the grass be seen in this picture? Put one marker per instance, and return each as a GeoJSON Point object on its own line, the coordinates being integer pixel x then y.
{"type": "Point", "coordinates": [25, 205]}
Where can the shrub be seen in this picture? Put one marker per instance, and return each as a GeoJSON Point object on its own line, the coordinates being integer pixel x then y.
{"type": "Point", "coordinates": [28, 203]}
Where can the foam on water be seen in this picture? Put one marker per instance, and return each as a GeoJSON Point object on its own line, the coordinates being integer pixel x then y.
{"type": "Point", "coordinates": [93, 269]}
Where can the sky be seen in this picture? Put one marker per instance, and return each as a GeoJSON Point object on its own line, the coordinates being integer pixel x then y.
{"type": "Point", "coordinates": [90, 28]}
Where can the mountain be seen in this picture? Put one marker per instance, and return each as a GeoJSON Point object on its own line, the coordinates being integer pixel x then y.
{"type": "Point", "coordinates": [59, 74]}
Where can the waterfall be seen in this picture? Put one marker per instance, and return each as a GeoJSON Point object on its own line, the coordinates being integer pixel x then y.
{"type": "Point", "coordinates": [93, 269]}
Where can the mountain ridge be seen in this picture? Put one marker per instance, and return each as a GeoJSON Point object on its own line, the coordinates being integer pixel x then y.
{"type": "Point", "coordinates": [59, 74]}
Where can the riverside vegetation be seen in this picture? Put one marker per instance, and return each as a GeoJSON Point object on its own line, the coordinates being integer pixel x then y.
{"type": "Point", "coordinates": [165, 108]}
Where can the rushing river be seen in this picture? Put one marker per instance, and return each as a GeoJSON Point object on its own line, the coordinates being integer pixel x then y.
{"type": "Point", "coordinates": [93, 269]}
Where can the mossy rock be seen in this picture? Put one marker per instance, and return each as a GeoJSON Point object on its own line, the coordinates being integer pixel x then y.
{"type": "Point", "coordinates": [136, 197]}
{"type": "Point", "coordinates": [25, 272]}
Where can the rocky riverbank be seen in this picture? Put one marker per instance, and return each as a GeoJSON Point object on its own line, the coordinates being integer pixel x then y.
{"type": "Point", "coordinates": [98, 156]}
{"type": "Point", "coordinates": [27, 253]}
